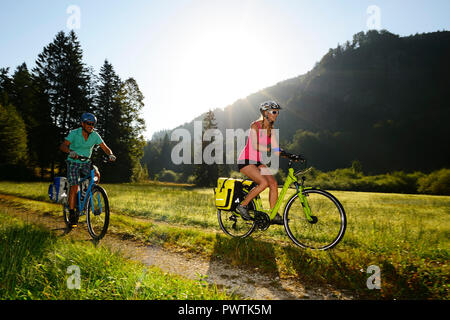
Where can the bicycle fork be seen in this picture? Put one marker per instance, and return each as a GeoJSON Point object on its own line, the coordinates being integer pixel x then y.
{"type": "Point", "coordinates": [304, 203]}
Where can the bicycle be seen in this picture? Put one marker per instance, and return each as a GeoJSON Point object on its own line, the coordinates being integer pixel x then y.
{"type": "Point", "coordinates": [312, 218]}
{"type": "Point", "coordinates": [93, 202]}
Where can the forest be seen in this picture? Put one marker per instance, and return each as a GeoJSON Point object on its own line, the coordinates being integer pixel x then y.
{"type": "Point", "coordinates": [39, 107]}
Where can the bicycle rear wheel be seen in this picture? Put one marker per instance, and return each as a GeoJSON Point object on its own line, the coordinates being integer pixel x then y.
{"type": "Point", "coordinates": [97, 217]}
{"type": "Point", "coordinates": [233, 225]}
{"type": "Point", "coordinates": [327, 227]}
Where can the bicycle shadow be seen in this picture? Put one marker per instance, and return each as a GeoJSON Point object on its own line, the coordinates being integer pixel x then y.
{"type": "Point", "coordinates": [65, 230]}
{"type": "Point", "coordinates": [236, 264]}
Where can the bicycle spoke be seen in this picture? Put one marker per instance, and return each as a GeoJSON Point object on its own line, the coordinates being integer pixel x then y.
{"type": "Point", "coordinates": [98, 213]}
{"type": "Point", "coordinates": [327, 227]}
{"type": "Point", "coordinates": [233, 225]}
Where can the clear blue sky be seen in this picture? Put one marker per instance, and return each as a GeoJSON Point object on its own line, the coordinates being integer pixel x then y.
{"type": "Point", "coordinates": [189, 56]}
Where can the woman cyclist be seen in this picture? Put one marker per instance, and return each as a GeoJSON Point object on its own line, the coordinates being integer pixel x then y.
{"type": "Point", "coordinates": [260, 140]}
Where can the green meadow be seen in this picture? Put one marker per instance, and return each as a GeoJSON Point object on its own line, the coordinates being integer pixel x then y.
{"type": "Point", "coordinates": [406, 236]}
{"type": "Point", "coordinates": [36, 264]}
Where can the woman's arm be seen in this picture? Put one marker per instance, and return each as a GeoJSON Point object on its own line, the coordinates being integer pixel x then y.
{"type": "Point", "coordinates": [275, 145]}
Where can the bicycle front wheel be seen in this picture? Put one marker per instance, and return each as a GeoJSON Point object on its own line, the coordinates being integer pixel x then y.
{"type": "Point", "coordinates": [233, 225]}
{"type": "Point", "coordinates": [97, 217]}
{"type": "Point", "coordinates": [66, 215]}
{"type": "Point", "coordinates": [328, 223]}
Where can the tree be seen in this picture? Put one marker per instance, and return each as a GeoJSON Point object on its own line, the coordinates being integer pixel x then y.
{"type": "Point", "coordinates": [119, 105]}
{"type": "Point", "coordinates": [65, 81]}
{"type": "Point", "coordinates": [5, 86]}
{"type": "Point", "coordinates": [23, 96]}
{"type": "Point", "coordinates": [13, 136]}
{"type": "Point", "coordinates": [132, 126]}
{"type": "Point", "coordinates": [206, 175]}
{"type": "Point", "coordinates": [106, 103]}
{"type": "Point", "coordinates": [357, 166]}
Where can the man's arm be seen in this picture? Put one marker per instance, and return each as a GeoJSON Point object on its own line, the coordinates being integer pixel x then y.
{"type": "Point", "coordinates": [108, 151]}
{"type": "Point", "coordinates": [105, 148]}
{"type": "Point", "coordinates": [64, 147]}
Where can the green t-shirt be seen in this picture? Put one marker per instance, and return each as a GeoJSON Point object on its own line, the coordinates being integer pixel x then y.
{"type": "Point", "coordinates": [81, 146]}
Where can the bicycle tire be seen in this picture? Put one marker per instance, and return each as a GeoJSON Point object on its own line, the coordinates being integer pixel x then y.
{"type": "Point", "coordinates": [66, 215]}
{"type": "Point", "coordinates": [98, 220]}
{"type": "Point", "coordinates": [229, 220]}
{"type": "Point", "coordinates": [329, 224]}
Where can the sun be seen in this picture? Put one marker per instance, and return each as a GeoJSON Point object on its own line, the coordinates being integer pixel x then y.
{"type": "Point", "coordinates": [216, 53]}
{"type": "Point", "coordinates": [221, 61]}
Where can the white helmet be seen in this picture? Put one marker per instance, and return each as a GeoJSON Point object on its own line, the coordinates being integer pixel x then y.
{"type": "Point", "coordinates": [267, 105]}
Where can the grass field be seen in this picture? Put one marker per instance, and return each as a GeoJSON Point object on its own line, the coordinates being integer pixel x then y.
{"type": "Point", "coordinates": [407, 236]}
{"type": "Point", "coordinates": [35, 264]}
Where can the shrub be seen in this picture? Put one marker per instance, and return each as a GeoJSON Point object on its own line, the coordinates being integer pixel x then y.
{"type": "Point", "coordinates": [168, 176]}
{"type": "Point", "coordinates": [437, 182]}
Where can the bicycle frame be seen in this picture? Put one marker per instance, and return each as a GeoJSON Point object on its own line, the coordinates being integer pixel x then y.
{"type": "Point", "coordinates": [88, 194]}
{"type": "Point", "coordinates": [291, 179]}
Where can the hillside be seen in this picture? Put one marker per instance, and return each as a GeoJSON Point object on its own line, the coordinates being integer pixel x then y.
{"type": "Point", "coordinates": [380, 99]}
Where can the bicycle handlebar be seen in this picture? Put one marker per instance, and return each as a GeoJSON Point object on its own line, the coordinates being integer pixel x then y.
{"type": "Point", "coordinates": [293, 157]}
{"type": "Point", "coordinates": [105, 159]}
{"type": "Point", "coordinates": [83, 158]}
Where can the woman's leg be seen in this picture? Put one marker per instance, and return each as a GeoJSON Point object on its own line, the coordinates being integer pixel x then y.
{"type": "Point", "coordinates": [273, 185]}
{"type": "Point", "coordinates": [253, 172]}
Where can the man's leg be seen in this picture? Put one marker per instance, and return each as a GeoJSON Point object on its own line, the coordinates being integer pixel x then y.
{"type": "Point", "coordinates": [73, 196]}
{"type": "Point", "coordinates": [73, 174]}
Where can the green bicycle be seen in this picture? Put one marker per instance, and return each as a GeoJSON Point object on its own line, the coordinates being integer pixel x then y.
{"type": "Point", "coordinates": [313, 218]}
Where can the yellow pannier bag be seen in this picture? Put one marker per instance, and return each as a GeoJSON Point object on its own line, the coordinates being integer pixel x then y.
{"type": "Point", "coordinates": [228, 193]}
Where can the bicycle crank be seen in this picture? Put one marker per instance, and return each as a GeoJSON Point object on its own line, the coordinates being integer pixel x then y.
{"type": "Point", "coordinates": [262, 220]}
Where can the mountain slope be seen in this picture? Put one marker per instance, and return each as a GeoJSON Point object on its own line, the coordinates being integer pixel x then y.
{"type": "Point", "coordinates": [380, 99]}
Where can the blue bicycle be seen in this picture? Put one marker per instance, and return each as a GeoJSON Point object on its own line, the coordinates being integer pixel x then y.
{"type": "Point", "coordinates": [92, 201]}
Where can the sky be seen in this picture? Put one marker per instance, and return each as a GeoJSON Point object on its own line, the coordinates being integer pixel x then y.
{"type": "Point", "coordinates": [190, 56]}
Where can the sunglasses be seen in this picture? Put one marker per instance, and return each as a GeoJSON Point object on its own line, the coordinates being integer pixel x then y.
{"type": "Point", "coordinates": [90, 124]}
{"type": "Point", "coordinates": [274, 112]}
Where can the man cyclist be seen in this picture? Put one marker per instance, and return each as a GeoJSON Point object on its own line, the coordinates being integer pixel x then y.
{"type": "Point", "coordinates": [80, 142]}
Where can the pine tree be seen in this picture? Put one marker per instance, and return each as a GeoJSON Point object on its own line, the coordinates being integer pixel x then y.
{"type": "Point", "coordinates": [206, 175]}
{"type": "Point", "coordinates": [23, 96]}
{"type": "Point", "coordinates": [65, 81]}
{"type": "Point", "coordinates": [106, 103]}
{"type": "Point", "coordinates": [129, 138]}
{"type": "Point", "coordinates": [118, 107]}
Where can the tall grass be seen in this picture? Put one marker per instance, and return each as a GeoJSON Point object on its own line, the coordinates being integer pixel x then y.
{"type": "Point", "coordinates": [34, 265]}
{"type": "Point", "coordinates": [407, 236]}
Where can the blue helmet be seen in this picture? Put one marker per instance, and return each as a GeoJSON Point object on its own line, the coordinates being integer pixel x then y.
{"type": "Point", "coordinates": [88, 117]}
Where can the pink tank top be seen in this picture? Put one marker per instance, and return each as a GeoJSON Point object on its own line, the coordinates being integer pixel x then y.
{"type": "Point", "coordinates": [249, 153]}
